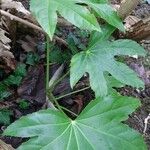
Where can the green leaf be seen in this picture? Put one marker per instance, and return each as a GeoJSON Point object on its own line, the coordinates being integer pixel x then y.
{"type": "Point", "coordinates": [113, 83]}
{"type": "Point", "coordinates": [99, 59]}
{"type": "Point", "coordinates": [4, 93]}
{"type": "Point", "coordinates": [59, 56]}
{"type": "Point", "coordinates": [106, 12]}
{"type": "Point", "coordinates": [32, 59]}
{"type": "Point", "coordinates": [23, 104]}
{"type": "Point", "coordinates": [13, 80]}
{"type": "Point", "coordinates": [97, 127]}
{"type": "Point", "coordinates": [97, 37]}
{"type": "Point", "coordinates": [5, 116]}
{"type": "Point", "coordinates": [46, 14]}
{"type": "Point", "coordinates": [20, 70]}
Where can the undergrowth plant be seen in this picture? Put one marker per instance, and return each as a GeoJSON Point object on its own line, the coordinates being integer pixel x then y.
{"type": "Point", "coordinates": [99, 126]}
{"type": "Point", "coordinates": [12, 80]}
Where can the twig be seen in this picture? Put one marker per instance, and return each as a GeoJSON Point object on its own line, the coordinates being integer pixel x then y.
{"type": "Point", "coordinates": [60, 40]}
{"type": "Point", "coordinates": [69, 111]}
{"type": "Point", "coordinates": [13, 17]}
{"type": "Point", "coordinates": [74, 92]}
{"type": "Point", "coordinates": [48, 61]}
{"type": "Point", "coordinates": [53, 100]}
{"type": "Point", "coordinates": [146, 123]}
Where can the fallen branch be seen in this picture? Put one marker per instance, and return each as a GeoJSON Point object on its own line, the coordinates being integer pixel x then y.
{"type": "Point", "coordinates": [146, 123]}
{"type": "Point", "coordinates": [29, 24]}
{"type": "Point", "coordinates": [140, 30]}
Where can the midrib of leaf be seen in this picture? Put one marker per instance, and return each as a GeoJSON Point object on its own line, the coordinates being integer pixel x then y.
{"type": "Point", "coordinates": [76, 137]}
{"type": "Point", "coordinates": [84, 136]}
{"type": "Point", "coordinates": [58, 136]}
{"type": "Point", "coordinates": [107, 134]}
{"type": "Point", "coordinates": [69, 139]}
{"type": "Point", "coordinates": [49, 16]}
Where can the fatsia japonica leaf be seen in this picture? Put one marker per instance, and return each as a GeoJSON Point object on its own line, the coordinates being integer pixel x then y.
{"type": "Point", "coordinates": [97, 37]}
{"type": "Point", "coordinates": [106, 12]}
{"type": "Point", "coordinates": [46, 14]}
{"type": "Point", "coordinates": [99, 59]}
{"type": "Point", "coordinates": [97, 127]}
{"type": "Point", "coordinates": [112, 84]}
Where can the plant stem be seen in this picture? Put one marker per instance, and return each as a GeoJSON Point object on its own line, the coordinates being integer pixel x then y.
{"type": "Point", "coordinates": [52, 98]}
{"type": "Point", "coordinates": [49, 92]}
{"type": "Point", "coordinates": [74, 92]}
{"type": "Point", "coordinates": [48, 60]}
{"type": "Point", "coordinates": [69, 111]}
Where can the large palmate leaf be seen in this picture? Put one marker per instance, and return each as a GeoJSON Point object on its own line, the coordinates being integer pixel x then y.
{"type": "Point", "coordinates": [97, 127]}
{"type": "Point", "coordinates": [99, 58]}
{"type": "Point", "coordinates": [105, 11]}
{"type": "Point", "coordinates": [46, 14]}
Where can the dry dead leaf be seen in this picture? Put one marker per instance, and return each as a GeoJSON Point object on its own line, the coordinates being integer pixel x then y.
{"type": "Point", "coordinates": [5, 55]}
{"type": "Point", "coordinates": [32, 87]}
{"type": "Point", "coordinates": [4, 40]}
{"type": "Point", "coordinates": [10, 4]}
{"type": "Point", "coordinates": [28, 44]}
{"type": "Point", "coordinates": [79, 102]}
{"type": "Point", "coordinates": [4, 146]}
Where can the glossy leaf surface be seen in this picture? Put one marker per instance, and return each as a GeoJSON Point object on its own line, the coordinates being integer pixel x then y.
{"type": "Point", "coordinates": [97, 127]}
{"type": "Point", "coordinates": [99, 59]}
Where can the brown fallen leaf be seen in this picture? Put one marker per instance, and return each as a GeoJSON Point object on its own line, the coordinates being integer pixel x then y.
{"type": "Point", "coordinates": [10, 4]}
{"type": "Point", "coordinates": [79, 102]}
{"type": "Point", "coordinates": [4, 146]}
{"type": "Point", "coordinates": [6, 57]}
{"type": "Point", "coordinates": [28, 44]}
{"type": "Point", "coordinates": [33, 86]}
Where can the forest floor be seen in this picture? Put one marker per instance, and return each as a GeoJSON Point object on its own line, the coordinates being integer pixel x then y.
{"type": "Point", "coordinates": [28, 95]}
